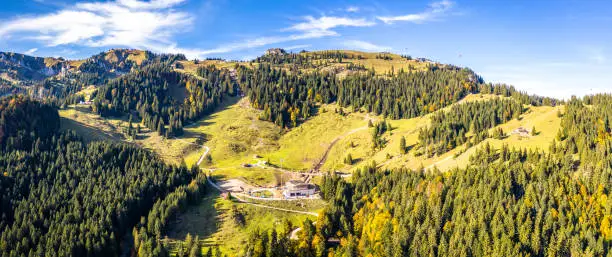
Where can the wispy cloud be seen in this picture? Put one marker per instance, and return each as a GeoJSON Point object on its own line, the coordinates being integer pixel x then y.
{"type": "Point", "coordinates": [436, 11]}
{"type": "Point", "coordinates": [366, 46]}
{"type": "Point", "coordinates": [352, 9]}
{"type": "Point", "coordinates": [31, 51]}
{"type": "Point", "coordinates": [310, 28]}
{"type": "Point", "coordinates": [129, 23]}
{"type": "Point", "coordinates": [300, 47]}
{"type": "Point", "coordinates": [324, 24]}
{"type": "Point", "coordinates": [154, 24]}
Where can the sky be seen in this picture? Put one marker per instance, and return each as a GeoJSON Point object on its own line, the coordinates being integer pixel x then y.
{"type": "Point", "coordinates": [551, 48]}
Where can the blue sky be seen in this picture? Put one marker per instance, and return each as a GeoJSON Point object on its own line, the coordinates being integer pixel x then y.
{"type": "Point", "coordinates": [552, 48]}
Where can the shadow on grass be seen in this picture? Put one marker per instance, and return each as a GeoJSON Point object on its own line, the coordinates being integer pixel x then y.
{"type": "Point", "coordinates": [201, 219]}
{"type": "Point", "coordinates": [89, 133]}
{"type": "Point", "coordinates": [227, 103]}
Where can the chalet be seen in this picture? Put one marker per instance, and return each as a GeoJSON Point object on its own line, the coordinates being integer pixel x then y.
{"type": "Point", "coordinates": [297, 189]}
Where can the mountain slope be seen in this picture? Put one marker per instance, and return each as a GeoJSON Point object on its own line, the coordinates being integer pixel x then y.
{"type": "Point", "coordinates": [295, 113]}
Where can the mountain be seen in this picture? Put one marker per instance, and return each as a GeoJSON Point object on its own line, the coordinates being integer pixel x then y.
{"type": "Point", "coordinates": [441, 163]}
{"type": "Point", "coordinates": [58, 77]}
{"type": "Point", "coordinates": [18, 71]}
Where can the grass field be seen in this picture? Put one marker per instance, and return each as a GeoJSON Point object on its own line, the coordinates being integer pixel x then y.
{"type": "Point", "coordinates": [543, 118]}
{"type": "Point", "coordinates": [237, 137]}
{"type": "Point", "coordinates": [381, 66]}
{"type": "Point", "coordinates": [368, 60]}
{"type": "Point", "coordinates": [302, 147]}
{"type": "Point", "coordinates": [359, 144]}
{"type": "Point", "coordinates": [93, 127]}
{"type": "Point", "coordinates": [213, 220]}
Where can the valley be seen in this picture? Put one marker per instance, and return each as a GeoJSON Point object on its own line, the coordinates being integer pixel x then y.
{"type": "Point", "coordinates": [235, 137]}
{"type": "Point", "coordinates": [252, 139]}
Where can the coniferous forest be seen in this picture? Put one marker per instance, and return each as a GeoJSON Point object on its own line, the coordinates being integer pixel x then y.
{"type": "Point", "coordinates": [163, 98]}
{"type": "Point", "coordinates": [507, 202]}
{"type": "Point", "coordinates": [61, 196]}
{"type": "Point", "coordinates": [448, 129]}
{"type": "Point", "coordinates": [360, 128]}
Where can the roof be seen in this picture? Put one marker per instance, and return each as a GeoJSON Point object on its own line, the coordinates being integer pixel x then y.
{"type": "Point", "coordinates": [295, 182]}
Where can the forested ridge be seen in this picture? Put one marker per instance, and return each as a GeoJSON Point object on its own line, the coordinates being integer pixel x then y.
{"type": "Point", "coordinates": [167, 99]}
{"type": "Point", "coordinates": [448, 129]}
{"type": "Point", "coordinates": [63, 197]}
{"type": "Point", "coordinates": [288, 97]}
{"type": "Point", "coordinates": [155, 93]}
{"type": "Point", "coordinates": [507, 202]}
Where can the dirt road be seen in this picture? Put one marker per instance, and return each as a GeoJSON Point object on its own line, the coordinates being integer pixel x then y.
{"type": "Point", "coordinates": [240, 200]}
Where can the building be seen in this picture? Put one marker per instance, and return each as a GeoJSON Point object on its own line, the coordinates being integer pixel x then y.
{"type": "Point", "coordinates": [297, 189]}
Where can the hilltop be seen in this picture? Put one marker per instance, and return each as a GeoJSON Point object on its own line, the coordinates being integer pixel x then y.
{"type": "Point", "coordinates": [343, 62]}
{"type": "Point", "coordinates": [58, 77]}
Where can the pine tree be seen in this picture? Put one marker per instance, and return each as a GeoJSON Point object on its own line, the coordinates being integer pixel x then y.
{"type": "Point", "coordinates": [348, 159]}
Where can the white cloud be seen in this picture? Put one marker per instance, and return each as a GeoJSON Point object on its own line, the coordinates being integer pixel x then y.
{"type": "Point", "coordinates": [299, 47]}
{"type": "Point", "coordinates": [325, 23]}
{"type": "Point", "coordinates": [130, 23]}
{"type": "Point", "coordinates": [352, 9]}
{"type": "Point", "coordinates": [154, 4]}
{"type": "Point", "coordinates": [309, 29]}
{"type": "Point", "coordinates": [150, 25]}
{"type": "Point", "coordinates": [366, 46]}
{"type": "Point", "coordinates": [31, 51]}
{"type": "Point", "coordinates": [435, 11]}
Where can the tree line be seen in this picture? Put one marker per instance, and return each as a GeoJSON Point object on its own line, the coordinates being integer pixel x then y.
{"type": "Point", "coordinates": [448, 129]}
{"type": "Point", "coordinates": [506, 202]}
{"type": "Point", "coordinates": [290, 97]}
{"type": "Point", "coordinates": [164, 99]}
{"type": "Point", "coordinates": [60, 196]}
{"type": "Point", "coordinates": [147, 235]}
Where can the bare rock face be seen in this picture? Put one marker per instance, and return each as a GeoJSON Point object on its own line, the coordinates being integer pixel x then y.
{"type": "Point", "coordinates": [20, 67]}
{"type": "Point", "coordinates": [276, 51]}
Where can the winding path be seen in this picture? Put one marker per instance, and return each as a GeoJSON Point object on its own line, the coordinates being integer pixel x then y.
{"type": "Point", "coordinates": [213, 184]}
{"type": "Point", "coordinates": [440, 161]}
{"type": "Point", "coordinates": [293, 234]}
{"type": "Point", "coordinates": [317, 167]}
{"type": "Point", "coordinates": [206, 150]}
{"type": "Point", "coordinates": [331, 145]}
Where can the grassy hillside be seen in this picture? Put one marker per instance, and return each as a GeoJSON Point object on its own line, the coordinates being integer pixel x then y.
{"type": "Point", "coordinates": [215, 221]}
{"type": "Point", "coordinates": [237, 137]}
{"type": "Point", "coordinates": [391, 62]}
{"type": "Point", "coordinates": [544, 118]}
{"type": "Point", "coordinates": [93, 127]}
{"type": "Point", "coordinates": [385, 63]}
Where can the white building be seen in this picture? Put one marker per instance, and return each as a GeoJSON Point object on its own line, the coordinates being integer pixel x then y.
{"type": "Point", "coordinates": [297, 189]}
